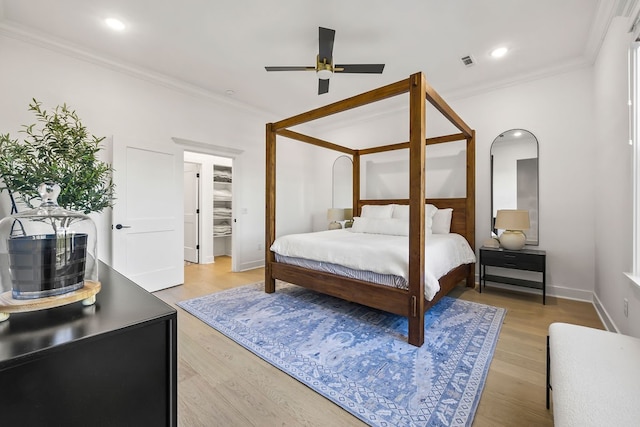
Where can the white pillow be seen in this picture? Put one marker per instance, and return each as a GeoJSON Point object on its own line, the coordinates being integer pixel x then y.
{"type": "Point", "coordinates": [429, 212]}
{"type": "Point", "coordinates": [392, 226]}
{"type": "Point", "coordinates": [400, 212]}
{"type": "Point", "coordinates": [442, 221]}
{"type": "Point", "coordinates": [376, 211]}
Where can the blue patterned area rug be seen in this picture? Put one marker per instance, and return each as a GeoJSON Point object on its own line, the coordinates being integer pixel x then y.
{"type": "Point", "coordinates": [359, 357]}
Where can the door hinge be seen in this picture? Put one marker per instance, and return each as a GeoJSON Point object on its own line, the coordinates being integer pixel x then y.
{"type": "Point", "coordinates": [198, 175]}
{"type": "Point", "coordinates": [198, 247]}
{"type": "Point", "coordinates": [197, 211]}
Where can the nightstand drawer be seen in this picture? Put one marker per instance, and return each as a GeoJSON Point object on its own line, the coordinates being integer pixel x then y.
{"type": "Point", "coordinates": [512, 259]}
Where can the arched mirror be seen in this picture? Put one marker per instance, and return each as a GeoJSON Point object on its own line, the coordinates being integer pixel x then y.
{"type": "Point", "coordinates": [342, 178]}
{"type": "Point", "coordinates": [514, 177]}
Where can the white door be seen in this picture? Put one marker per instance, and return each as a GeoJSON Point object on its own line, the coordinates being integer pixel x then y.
{"type": "Point", "coordinates": [191, 211]}
{"type": "Point", "coordinates": [147, 220]}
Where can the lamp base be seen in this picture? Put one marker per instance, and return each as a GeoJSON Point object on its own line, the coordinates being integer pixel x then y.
{"type": "Point", "coordinates": [512, 239]}
{"type": "Point", "coordinates": [335, 225]}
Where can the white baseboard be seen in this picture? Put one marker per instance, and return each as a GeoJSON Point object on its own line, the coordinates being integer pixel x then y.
{"type": "Point", "coordinates": [251, 265]}
{"type": "Point", "coordinates": [570, 293]}
{"type": "Point", "coordinates": [607, 321]}
{"type": "Point", "coordinates": [552, 290]}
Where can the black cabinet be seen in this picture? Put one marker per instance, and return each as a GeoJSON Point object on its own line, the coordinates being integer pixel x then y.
{"type": "Point", "coordinates": [110, 364]}
{"type": "Point", "coordinates": [524, 259]}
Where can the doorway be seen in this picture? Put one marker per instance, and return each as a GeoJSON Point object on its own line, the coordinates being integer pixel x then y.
{"type": "Point", "coordinates": [191, 212]}
{"type": "Point", "coordinates": [215, 220]}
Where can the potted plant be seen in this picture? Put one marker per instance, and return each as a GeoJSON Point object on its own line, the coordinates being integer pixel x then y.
{"type": "Point", "coordinates": [47, 245]}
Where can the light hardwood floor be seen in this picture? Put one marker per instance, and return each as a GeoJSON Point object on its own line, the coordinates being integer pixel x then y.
{"type": "Point", "coordinates": [222, 384]}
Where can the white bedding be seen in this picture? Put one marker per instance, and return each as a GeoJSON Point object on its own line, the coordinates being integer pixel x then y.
{"type": "Point", "coordinates": [380, 253]}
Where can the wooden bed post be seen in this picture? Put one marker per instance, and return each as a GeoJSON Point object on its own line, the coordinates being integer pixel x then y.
{"type": "Point", "coordinates": [270, 208]}
{"type": "Point", "coordinates": [356, 184]}
{"type": "Point", "coordinates": [471, 203]}
{"type": "Point", "coordinates": [417, 132]}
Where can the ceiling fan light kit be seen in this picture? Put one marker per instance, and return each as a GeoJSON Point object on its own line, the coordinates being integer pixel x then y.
{"type": "Point", "coordinates": [324, 63]}
{"type": "Point", "coordinates": [324, 74]}
{"type": "Point", "coordinates": [323, 70]}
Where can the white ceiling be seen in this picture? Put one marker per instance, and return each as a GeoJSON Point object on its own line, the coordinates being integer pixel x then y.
{"type": "Point", "coordinates": [221, 45]}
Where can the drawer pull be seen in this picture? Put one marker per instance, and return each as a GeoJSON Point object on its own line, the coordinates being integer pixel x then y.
{"type": "Point", "coordinates": [509, 256]}
{"type": "Point", "coordinates": [508, 264]}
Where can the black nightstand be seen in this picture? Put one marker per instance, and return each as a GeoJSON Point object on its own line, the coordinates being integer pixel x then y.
{"type": "Point", "coordinates": [524, 259]}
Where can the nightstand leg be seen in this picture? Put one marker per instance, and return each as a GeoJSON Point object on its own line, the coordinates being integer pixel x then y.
{"type": "Point", "coordinates": [544, 287]}
{"type": "Point", "coordinates": [481, 273]}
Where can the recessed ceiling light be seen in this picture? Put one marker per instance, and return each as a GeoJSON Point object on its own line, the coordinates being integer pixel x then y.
{"type": "Point", "coordinates": [517, 133]}
{"type": "Point", "coordinates": [499, 52]}
{"type": "Point", "coordinates": [115, 24]}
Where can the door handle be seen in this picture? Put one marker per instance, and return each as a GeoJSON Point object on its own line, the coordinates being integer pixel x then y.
{"type": "Point", "coordinates": [120, 226]}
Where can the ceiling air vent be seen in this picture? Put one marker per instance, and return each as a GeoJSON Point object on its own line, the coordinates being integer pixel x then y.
{"type": "Point", "coordinates": [468, 61]}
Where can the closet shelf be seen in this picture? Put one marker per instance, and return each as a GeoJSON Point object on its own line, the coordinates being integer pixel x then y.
{"type": "Point", "coordinates": [222, 209]}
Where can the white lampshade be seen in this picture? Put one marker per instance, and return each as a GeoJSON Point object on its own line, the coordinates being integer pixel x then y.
{"type": "Point", "coordinates": [348, 214]}
{"type": "Point", "coordinates": [335, 214]}
{"type": "Point", "coordinates": [512, 219]}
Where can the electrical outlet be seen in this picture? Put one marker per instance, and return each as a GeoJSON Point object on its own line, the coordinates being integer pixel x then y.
{"type": "Point", "coordinates": [626, 307]}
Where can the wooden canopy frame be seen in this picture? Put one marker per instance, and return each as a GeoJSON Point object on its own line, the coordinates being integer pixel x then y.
{"type": "Point", "coordinates": [410, 303]}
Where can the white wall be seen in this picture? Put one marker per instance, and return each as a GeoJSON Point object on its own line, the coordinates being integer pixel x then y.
{"type": "Point", "coordinates": [613, 186]}
{"type": "Point", "coordinates": [114, 103]}
{"type": "Point", "coordinates": [559, 112]}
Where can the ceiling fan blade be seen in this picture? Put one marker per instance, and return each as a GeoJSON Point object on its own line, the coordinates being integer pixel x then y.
{"type": "Point", "coordinates": [325, 45]}
{"type": "Point", "coordinates": [293, 68]}
{"type": "Point", "coordinates": [359, 68]}
{"type": "Point", "coordinates": [323, 86]}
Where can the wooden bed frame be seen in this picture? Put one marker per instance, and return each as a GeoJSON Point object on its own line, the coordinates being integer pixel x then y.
{"type": "Point", "coordinates": [409, 303]}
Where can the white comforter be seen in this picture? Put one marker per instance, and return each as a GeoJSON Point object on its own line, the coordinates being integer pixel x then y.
{"type": "Point", "coordinates": [379, 253]}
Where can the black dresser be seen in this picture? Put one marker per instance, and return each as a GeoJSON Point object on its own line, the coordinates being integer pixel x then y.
{"type": "Point", "coordinates": [110, 364]}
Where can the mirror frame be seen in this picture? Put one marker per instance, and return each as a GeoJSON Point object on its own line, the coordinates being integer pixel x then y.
{"type": "Point", "coordinates": [536, 218]}
{"type": "Point", "coordinates": [338, 176]}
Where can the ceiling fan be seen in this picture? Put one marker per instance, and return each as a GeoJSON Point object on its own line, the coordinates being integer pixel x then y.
{"type": "Point", "coordinates": [324, 63]}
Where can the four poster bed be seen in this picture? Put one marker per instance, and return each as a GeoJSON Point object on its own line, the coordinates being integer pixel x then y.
{"type": "Point", "coordinates": [410, 302]}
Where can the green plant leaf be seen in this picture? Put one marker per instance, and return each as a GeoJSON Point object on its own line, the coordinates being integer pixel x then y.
{"type": "Point", "coordinates": [59, 149]}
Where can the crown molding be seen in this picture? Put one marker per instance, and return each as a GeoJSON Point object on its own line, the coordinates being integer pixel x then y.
{"type": "Point", "coordinates": [203, 147]}
{"type": "Point", "coordinates": [46, 41]}
{"type": "Point", "coordinates": [605, 12]}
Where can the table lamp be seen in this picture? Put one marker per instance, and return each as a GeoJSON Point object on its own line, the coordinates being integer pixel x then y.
{"type": "Point", "coordinates": [513, 222]}
{"type": "Point", "coordinates": [334, 215]}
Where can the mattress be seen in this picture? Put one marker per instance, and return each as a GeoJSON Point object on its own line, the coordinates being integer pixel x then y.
{"type": "Point", "coordinates": [373, 257]}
